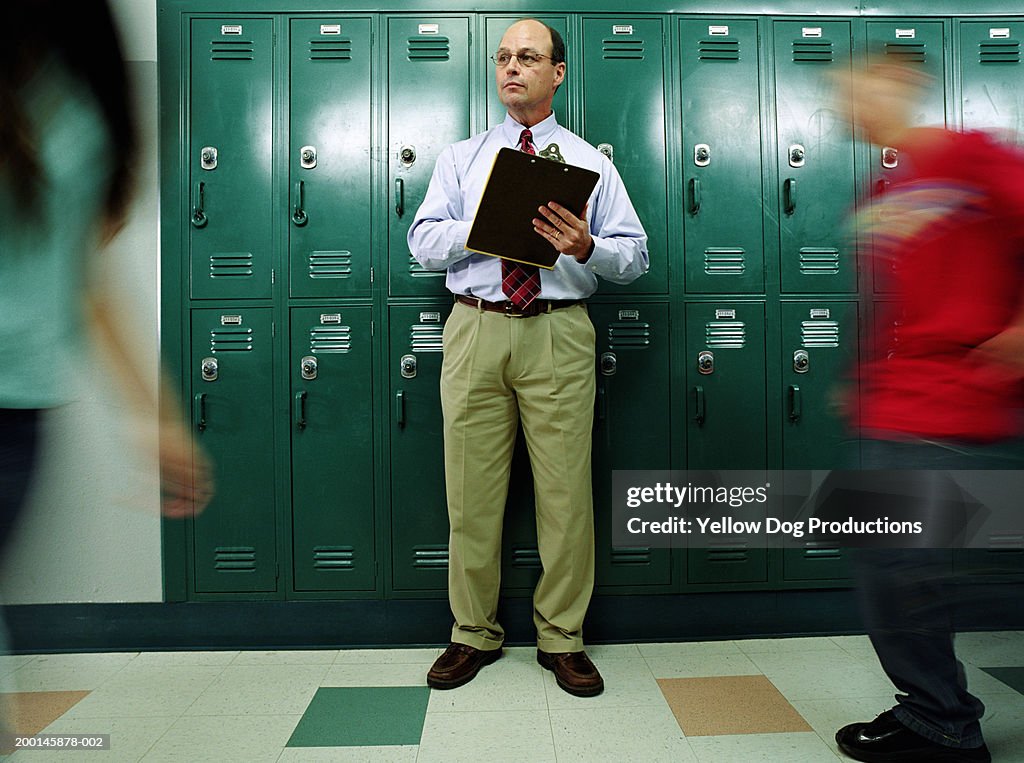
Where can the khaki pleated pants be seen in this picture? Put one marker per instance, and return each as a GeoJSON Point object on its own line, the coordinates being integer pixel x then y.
{"type": "Point", "coordinates": [497, 370]}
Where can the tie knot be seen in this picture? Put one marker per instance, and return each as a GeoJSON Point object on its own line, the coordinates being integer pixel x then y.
{"type": "Point", "coordinates": [526, 142]}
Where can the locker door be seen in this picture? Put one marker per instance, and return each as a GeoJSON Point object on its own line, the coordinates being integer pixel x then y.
{"type": "Point", "coordinates": [815, 156]}
{"type": "Point", "coordinates": [726, 423]}
{"type": "Point", "coordinates": [628, 125]}
{"type": "Point", "coordinates": [909, 43]}
{"type": "Point", "coordinates": [723, 200]}
{"type": "Point", "coordinates": [232, 393]}
{"type": "Point", "coordinates": [332, 449]}
{"type": "Point", "coordinates": [991, 73]}
{"type": "Point", "coordinates": [428, 108]}
{"type": "Point", "coordinates": [631, 427]}
{"type": "Point", "coordinates": [329, 158]}
{"type": "Point", "coordinates": [419, 508]}
{"type": "Point", "coordinates": [230, 142]}
{"type": "Point", "coordinates": [495, 29]}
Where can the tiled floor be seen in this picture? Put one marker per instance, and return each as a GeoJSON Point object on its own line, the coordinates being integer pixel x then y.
{"type": "Point", "coordinates": [728, 701]}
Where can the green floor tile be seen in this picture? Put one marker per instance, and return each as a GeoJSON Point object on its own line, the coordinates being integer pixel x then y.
{"type": "Point", "coordinates": [363, 717]}
{"type": "Point", "coordinates": [1012, 677]}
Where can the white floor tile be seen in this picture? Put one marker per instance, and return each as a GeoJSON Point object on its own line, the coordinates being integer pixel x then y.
{"type": "Point", "coordinates": [268, 690]}
{"type": "Point", "coordinates": [695, 665]}
{"type": "Point", "coordinates": [224, 738]}
{"type": "Point", "coordinates": [386, 656]}
{"type": "Point", "coordinates": [287, 657]}
{"type": "Point", "coordinates": [627, 683]}
{"type": "Point", "coordinates": [513, 683]}
{"type": "Point", "coordinates": [588, 734]}
{"type": "Point", "coordinates": [69, 672]}
{"type": "Point", "coordinates": [762, 748]}
{"type": "Point", "coordinates": [991, 650]}
{"type": "Point", "coordinates": [822, 675]}
{"type": "Point", "coordinates": [688, 649]}
{"type": "Point", "coordinates": [142, 692]}
{"type": "Point", "coordinates": [179, 659]}
{"type": "Point", "coordinates": [382, 674]}
{"type": "Point", "coordinates": [499, 737]}
{"type": "Point", "coordinates": [786, 645]}
{"type": "Point", "coordinates": [396, 754]}
{"type": "Point", "coordinates": [130, 739]}
{"type": "Point", "coordinates": [827, 716]}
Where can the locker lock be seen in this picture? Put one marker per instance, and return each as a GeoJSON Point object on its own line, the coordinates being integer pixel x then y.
{"type": "Point", "coordinates": [408, 366]}
{"type": "Point", "coordinates": [706, 362]}
{"type": "Point", "coordinates": [209, 369]}
{"type": "Point", "coordinates": [208, 158]}
{"type": "Point", "coordinates": [608, 150]}
{"type": "Point", "coordinates": [702, 154]}
{"type": "Point", "coordinates": [307, 367]}
{"type": "Point", "coordinates": [796, 155]}
{"type": "Point", "coordinates": [307, 157]}
{"type": "Point", "coordinates": [890, 158]}
{"type": "Point", "coordinates": [407, 155]}
{"type": "Point", "coordinates": [801, 361]}
{"type": "Point", "coordinates": [609, 364]}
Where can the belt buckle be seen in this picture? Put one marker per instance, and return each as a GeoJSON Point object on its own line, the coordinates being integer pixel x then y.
{"type": "Point", "coordinates": [512, 311]}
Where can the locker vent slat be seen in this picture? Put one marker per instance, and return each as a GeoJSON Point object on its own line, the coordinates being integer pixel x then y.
{"type": "Point", "coordinates": [630, 48]}
{"type": "Point", "coordinates": [906, 52]}
{"type": "Point", "coordinates": [727, 335]}
{"type": "Point", "coordinates": [631, 557]}
{"type": "Point", "coordinates": [232, 50]}
{"type": "Point", "coordinates": [817, 550]}
{"type": "Point", "coordinates": [334, 558]}
{"type": "Point", "coordinates": [819, 334]}
{"type": "Point", "coordinates": [629, 336]}
{"type": "Point", "coordinates": [339, 49]}
{"type": "Point", "coordinates": [812, 52]}
{"type": "Point", "coordinates": [429, 48]}
{"type": "Point", "coordinates": [719, 49]}
{"type": "Point", "coordinates": [527, 557]}
{"type": "Point", "coordinates": [231, 340]}
{"type": "Point", "coordinates": [722, 261]}
{"type": "Point", "coordinates": [1003, 543]}
{"type": "Point", "coordinates": [417, 271]}
{"type": "Point", "coordinates": [426, 338]}
{"type": "Point", "coordinates": [728, 552]}
{"type": "Point", "coordinates": [819, 261]}
{"type": "Point", "coordinates": [235, 559]}
{"type": "Point", "coordinates": [330, 264]}
{"type": "Point", "coordinates": [1001, 52]}
{"type": "Point", "coordinates": [231, 265]}
{"type": "Point", "coordinates": [326, 340]}
{"type": "Point", "coordinates": [430, 557]}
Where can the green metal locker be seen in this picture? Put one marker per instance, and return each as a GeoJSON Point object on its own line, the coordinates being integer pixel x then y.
{"type": "Point", "coordinates": [990, 74]}
{"type": "Point", "coordinates": [231, 135]}
{"type": "Point", "coordinates": [329, 157]}
{"type": "Point", "coordinates": [723, 199]}
{"type": "Point", "coordinates": [234, 539]}
{"type": "Point", "coordinates": [627, 124]}
{"type": "Point", "coordinates": [331, 374]}
{"type": "Point", "coordinates": [631, 427]}
{"type": "Point", "coordinates": [495, 27]}
{"type": "Point", "coordinates": [428, 109]}
{"type": "Point", "coordinates": [419, 508]}
{"type": "Point", "coordinates": [726, 422]}
{"type": "Point", "coordinates": [815, 157]}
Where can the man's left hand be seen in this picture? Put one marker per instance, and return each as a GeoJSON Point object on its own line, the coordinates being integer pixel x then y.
{"type": "Point", "coordinates": [566, 232]}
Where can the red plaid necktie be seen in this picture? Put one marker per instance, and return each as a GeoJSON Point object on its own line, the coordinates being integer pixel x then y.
{"type": "Point", "coordinates": [521, 283]}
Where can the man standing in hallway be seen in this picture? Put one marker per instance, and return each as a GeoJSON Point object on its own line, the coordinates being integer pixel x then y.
{"type": "Point", "coordinates": [519, 346]}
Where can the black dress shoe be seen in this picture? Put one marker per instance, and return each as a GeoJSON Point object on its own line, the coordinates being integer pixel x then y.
{"type": "Point", "coordinates": [458, 665]}
{"type": "Point", "coordinates": [886, 740]}
{"type": "Point", "coordinates": [574, 672]}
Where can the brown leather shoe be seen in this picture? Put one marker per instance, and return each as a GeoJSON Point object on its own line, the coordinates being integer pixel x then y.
{"type": "Point", "coordinates": [574, 672]}
{"type": "Point", "coordinates": [458, 665]}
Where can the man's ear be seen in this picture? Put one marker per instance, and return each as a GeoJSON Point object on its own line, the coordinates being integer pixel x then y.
{"type": "Point", "coordinates": [559, 73]}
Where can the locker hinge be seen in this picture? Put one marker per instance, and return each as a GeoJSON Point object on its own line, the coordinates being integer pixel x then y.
{"type": "Point", "coordinates": [372, 328]}
{"type": "Point", "coordinates": [273, 276]}
{"type": "Point", "coordinates": [273, 329]}
{"type": "Point", "coordinates": [371, 275]}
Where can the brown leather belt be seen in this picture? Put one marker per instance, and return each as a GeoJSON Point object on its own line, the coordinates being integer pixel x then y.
{"type": "Point", "coordinates": [536, 307]}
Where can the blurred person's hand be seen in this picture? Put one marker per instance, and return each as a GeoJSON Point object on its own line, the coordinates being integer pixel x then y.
{"type": "Point", "coordinates": [186, 477]}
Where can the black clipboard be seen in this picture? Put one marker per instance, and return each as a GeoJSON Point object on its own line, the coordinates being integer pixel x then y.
{"type": "Point", "coordinates": [518, 185]}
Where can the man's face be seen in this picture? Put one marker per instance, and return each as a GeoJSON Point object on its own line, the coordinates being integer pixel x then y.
{"type": "Point", "coordinates": [525, 89]}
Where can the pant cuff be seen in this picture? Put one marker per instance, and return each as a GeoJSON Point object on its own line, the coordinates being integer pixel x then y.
{"type": "Point", "coordinates": [965, 741]}
{"type": "Point", "coordinates": [475, 639]}
{"type": "Point", "coordinates": [558, 645]}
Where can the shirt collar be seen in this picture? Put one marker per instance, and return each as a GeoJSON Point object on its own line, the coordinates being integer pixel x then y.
{"type": "Point", "coordinates": [543, 131]}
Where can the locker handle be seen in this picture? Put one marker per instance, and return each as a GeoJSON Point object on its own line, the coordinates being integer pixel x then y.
{"type": "Point", "coordinates": [199, 411]}
{"type": "Point", "coordinates": [795, 403]}
{"type": "Point", "coordinates": [199, 218]}
{"type": "Point", "coordinates": [882, 186]}
{"type": "Point", "coordinates": [694, 196]}
{"type": "Point", "coordinates": [300, 410]}
{"type": "Point", "coordinates": [299, 216]}
{"type": "Point", "coordinates": [400, 196]}
{"type": "Point", "coordinates": [602, 403]}
{"type": "Point", "coordinates": [789, 195]}
{"type": "Point", "coordinates": [700, 405]}
{"type": "Point", "coordinates": [400, 408]}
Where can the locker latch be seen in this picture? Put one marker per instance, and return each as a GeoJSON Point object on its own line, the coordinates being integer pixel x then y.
{"type": "Point", "coordinates": [609, 364]}
{"type": "Point", "coordinates": [706, 362]}
{"type": "Point", "coordinates": [796, 155]}
{"type": "Point", "coordinates": [408, 366]}
{"type": "Point", "coordinates": [208, 158]}
{"type": "Point", "coordinates": [890, 157]}
{"type": "Point", "coordinates": [307, 367]}
{"type": "Point", "coordinates": [608, 150]}
{"type": "Point", "coordinates": [307, 157]}
{"type": "Point", "coordinates": [801, 361]}
{"type": "Point", "coordinates": [407, 155]}
{"type": "Point", "coordinates": [209, 369]}
{"type": "Point", "coordinates": [702, 154]}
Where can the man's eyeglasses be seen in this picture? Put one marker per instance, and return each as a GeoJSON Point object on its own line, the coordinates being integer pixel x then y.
{"type": "Point", "coordinates": [526, 58]}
